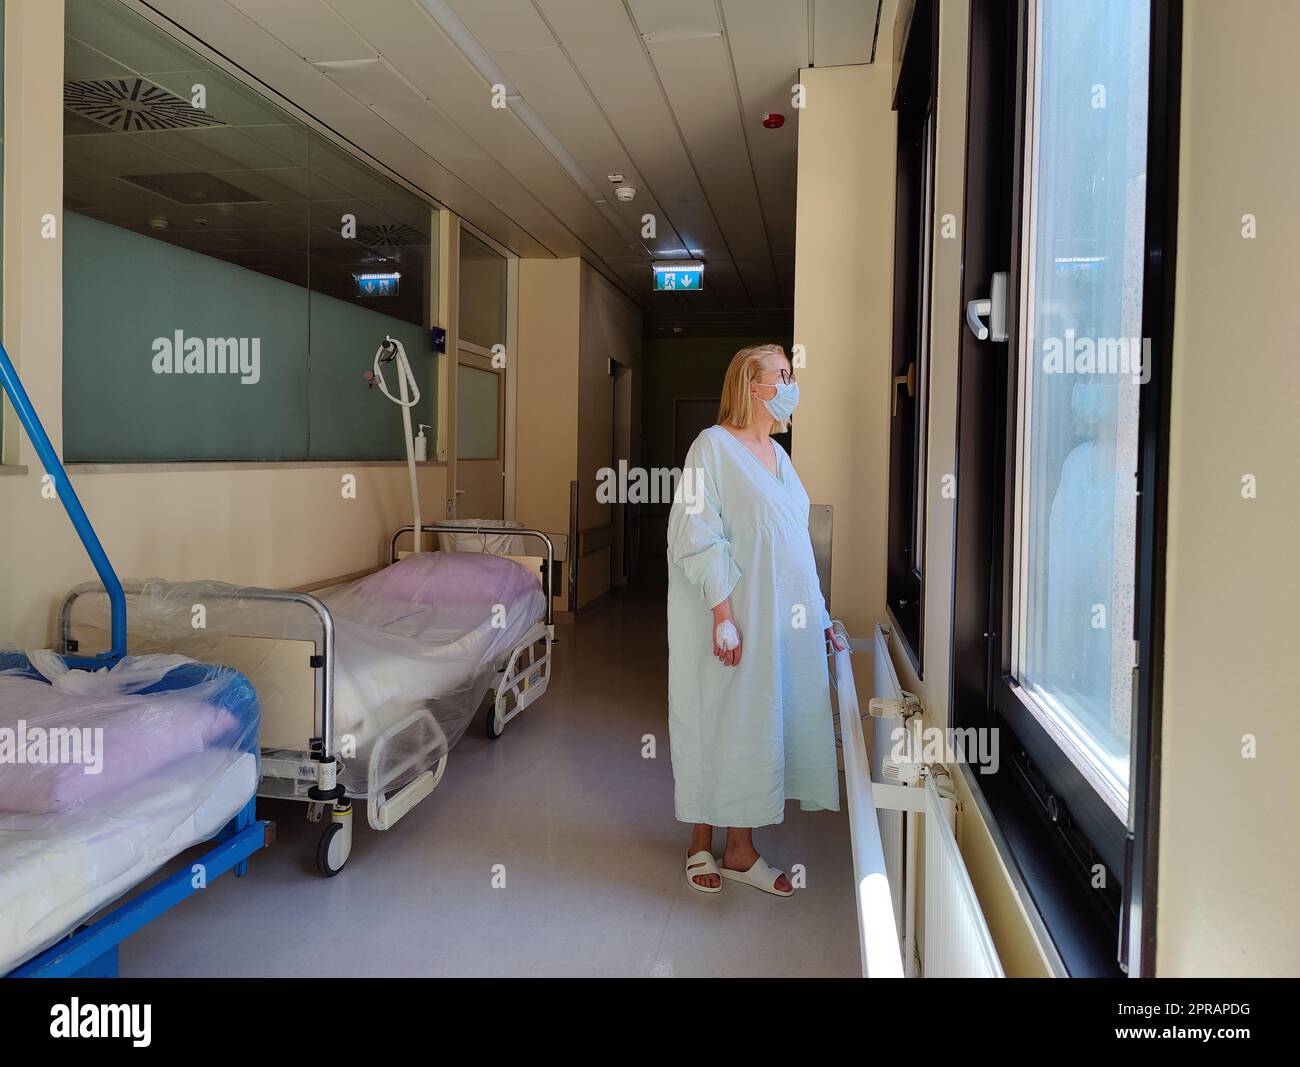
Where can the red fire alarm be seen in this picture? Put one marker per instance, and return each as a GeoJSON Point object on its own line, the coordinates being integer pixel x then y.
{"type": "Point", "coordinates": [773, 120]}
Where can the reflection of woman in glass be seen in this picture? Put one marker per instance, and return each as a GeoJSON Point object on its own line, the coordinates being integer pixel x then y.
{"type": "Point", "coordinates": [1080, 560]}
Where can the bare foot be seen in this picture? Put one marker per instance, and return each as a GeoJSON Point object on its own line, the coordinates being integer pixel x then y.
{"type": "Point", "coordinates": [709, 881]}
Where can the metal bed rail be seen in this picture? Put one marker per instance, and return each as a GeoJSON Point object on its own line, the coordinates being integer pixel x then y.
{"type": "Point", "coordinates": [324, 660]}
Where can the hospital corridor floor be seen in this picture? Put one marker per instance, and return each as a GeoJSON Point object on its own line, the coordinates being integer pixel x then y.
{"type": "Point", "coordinates": [564, 808]}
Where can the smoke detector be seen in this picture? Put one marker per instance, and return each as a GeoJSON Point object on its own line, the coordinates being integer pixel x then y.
{"type": "Point", "coordinates": [624, 194]}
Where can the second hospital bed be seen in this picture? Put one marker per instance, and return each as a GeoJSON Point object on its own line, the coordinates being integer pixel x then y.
{"type": "Point", "coordinates": [121, 770]}
{"type": "Point", "coordinates": [365, 686]}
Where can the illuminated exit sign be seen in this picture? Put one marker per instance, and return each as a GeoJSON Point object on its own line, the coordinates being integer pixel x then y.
{"type": "Point", "coordinates": [679, 275]}
{"type": "Point", "coordinates": [378, 284]}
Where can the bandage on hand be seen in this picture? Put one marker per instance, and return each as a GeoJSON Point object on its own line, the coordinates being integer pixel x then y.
{"type": "Point", "coordinates": [725, 635]}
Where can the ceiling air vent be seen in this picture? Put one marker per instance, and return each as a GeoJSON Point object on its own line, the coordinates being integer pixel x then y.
{"type": "Point", "coordinates": [133, 104]}
{"type": "Point", "coordinates": [384, 235]}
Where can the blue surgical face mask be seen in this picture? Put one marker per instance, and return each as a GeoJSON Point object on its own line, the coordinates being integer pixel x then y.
{"type": "Point", "coordinates": [782, 405]}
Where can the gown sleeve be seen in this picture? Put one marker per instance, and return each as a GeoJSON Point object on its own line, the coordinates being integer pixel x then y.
{"type": "Point", "coordinates": [697, 542]}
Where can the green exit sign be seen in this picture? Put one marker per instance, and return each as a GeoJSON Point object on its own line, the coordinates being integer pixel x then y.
{"type": "Point", "coordinates": [685, 276]}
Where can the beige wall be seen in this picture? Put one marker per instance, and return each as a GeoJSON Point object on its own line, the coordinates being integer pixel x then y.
{"type": "Point", "coordinates": [279, 526]}
{"type": "Point", "coordinates": [1229, 851]}
{"type": "Point", "coordinates": [547, 428]}
{"type": "Point", "coordinates": [571, 323]}
{"type": "Point", "coordinates": [842, 296]}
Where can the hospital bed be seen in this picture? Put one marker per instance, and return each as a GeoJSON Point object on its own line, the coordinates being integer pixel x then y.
{"type": "Point", "coordinates": [170, 745]}
{"type": "Point", "coordinates": [365, 686]}
{"type": "Point", "coordinates": [176, 759]}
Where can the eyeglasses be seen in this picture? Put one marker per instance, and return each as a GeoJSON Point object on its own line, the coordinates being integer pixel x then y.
{"type": "Point", "coordinates": [785, 377]}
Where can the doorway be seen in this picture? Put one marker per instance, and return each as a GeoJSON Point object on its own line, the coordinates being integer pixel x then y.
{"type": "Point", "coordinates": [480, 438]}
{"type": "Point", "coordinates": [624, 520]}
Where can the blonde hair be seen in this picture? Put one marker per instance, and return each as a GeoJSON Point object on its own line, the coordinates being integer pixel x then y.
{"type": "Point", "coordinates": [745, 369]}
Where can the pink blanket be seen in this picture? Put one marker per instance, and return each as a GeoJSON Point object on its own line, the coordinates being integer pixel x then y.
{"type": "Point", "coordinates": [122, 739]}
{"type": "Point", "coordinates": [452, 579]}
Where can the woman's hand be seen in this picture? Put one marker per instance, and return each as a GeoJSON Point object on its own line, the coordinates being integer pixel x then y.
{"type": "Point", "coordinates": [836, 641]}
{"type": "Point", "coordinates": [722, 613]}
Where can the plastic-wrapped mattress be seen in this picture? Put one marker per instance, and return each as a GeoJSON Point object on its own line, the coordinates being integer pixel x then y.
{"type": "Point", "coordinates": [430, 629]}
{"type": "Point", "coordinates": [417, 646]}
{"type": "Point", "coordinates": [105, 776]}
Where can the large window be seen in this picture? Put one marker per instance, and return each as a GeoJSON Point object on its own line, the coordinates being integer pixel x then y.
{"type": "Point", "coordinates": [1081, 359]}
{"type": "Point", "coordinates": [228, 272]}
{"type": "Point", "coordinates": [914, 101]}
{"type": "Point", "coordinates": [1069, 187]}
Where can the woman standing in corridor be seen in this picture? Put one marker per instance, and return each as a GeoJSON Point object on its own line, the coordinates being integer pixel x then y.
{"type": "Point", "coordinates": [748, 697]}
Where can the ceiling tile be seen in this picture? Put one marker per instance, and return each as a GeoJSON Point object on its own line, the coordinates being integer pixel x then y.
{"type": "Point", "coordinates": [309, 27]}
{"type": "Point", "coordinates": [696, 75]}
{"type": "Point", "coordinates": [675, 20]}
{"type": "Point", "coordinates": [670, 93]}
{"type": "Point", "coordinates": [843, 31]}
{"type": "Point", "coordinates": [504, 25]}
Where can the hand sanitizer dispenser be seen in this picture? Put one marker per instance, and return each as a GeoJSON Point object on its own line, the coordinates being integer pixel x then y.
{"type": "Point", "coordinates": [421, 444]}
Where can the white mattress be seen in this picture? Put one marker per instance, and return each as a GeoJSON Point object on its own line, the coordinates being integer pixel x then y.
{"type": "Point", "coordinates": [58, 870]}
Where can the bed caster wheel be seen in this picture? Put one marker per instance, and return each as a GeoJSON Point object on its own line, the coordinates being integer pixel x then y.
{"type": "Point", "coordinates": [493, 730]}
{"type": "Point", "coordinates": [329, 858]}
{"type": "Point", "coordinates": [335, 843]}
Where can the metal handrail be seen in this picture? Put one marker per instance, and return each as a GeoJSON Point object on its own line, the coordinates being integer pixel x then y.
{"type": "Point", "coordinates": [877, 935]}
{"type": "Point", "coordinates": [22, 403]}
{"type": "Point", "coordinates": [495, 531]}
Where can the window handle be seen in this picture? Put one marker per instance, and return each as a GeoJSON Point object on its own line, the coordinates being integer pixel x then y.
{"type": "Point", "coordinates": [909, 380]}
{"type": "Point", "coordinates": [994, 307]}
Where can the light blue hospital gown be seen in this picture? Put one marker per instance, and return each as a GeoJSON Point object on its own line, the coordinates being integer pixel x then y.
{"type": "Point", "coordinates": [747, 738]}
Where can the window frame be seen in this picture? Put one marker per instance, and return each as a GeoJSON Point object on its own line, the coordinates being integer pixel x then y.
{"type": "Point", "coordinates": [1056, 826]}
{"type": "Point", "coordinates": [915, 98]}
{"type": "Point", "coordinates": [318, 137]}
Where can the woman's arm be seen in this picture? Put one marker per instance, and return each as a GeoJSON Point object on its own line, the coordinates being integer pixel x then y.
{"type": "Point", "coordinates": [697, 541]}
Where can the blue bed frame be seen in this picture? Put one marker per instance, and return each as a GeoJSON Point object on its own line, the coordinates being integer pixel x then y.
{"type": "Point", "coordinates": [92, 952]}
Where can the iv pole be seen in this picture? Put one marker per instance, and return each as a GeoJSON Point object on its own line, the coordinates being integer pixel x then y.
{"type": "Point", "coordinates": [392, 351]}
{"type": "Point", "coordinates": [22, 403]}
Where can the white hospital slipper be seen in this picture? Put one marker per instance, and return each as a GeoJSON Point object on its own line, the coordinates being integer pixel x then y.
{"type": "Point", "coordinates": [698, 865]}
{"type": "Point", "coordinates": [760, 876]}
